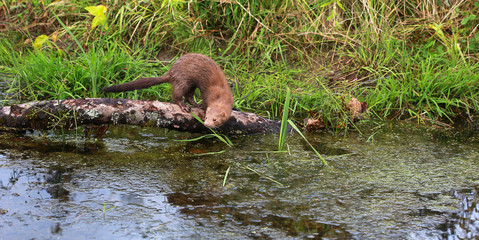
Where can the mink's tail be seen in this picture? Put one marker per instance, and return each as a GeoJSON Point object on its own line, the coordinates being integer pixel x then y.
{"type": "Point", "coordinates": [137, 84]}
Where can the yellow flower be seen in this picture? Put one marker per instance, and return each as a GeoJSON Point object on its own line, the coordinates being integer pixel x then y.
{"type": "Point", "coordinates": [99, 13]}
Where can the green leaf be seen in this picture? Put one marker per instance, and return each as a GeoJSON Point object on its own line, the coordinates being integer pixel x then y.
{"type": "Point", "coordinates": [340, 5]}
{"type": "Point", "coordinates": [326, 4]}
{"type": "Point", "coordinates": [39, 41]}
{"type": "Point", "coordinates": [330, 17]}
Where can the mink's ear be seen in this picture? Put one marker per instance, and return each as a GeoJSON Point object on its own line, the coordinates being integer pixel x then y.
{"type": "Point", "coordinates": [223, 114]}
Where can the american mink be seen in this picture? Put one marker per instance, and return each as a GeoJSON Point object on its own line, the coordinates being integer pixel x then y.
{"type": "Point", "coordinates": [189, 72]}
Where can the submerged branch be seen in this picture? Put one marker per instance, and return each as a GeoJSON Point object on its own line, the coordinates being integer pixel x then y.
{"type": "Point", "coordinates": [71, 113]}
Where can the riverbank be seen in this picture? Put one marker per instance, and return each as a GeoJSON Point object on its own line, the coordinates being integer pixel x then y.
{"type": "Point", "coordinates": [404, 62]}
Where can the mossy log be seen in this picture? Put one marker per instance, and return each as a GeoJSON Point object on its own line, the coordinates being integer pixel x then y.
{"type": "Point", "coordinates": [71, 113]}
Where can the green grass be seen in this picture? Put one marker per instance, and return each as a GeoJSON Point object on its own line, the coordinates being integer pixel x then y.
{"type": "Point", "coordinates": [428, 84]}
{"type": "Point", "coordinates": [7, 55]}
{"type": "Point", "coordinates": [404, 58]}
{"type": "Point", "coordinates": [51, 74]}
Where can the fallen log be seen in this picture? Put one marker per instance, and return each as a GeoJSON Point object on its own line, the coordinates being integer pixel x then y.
{"type": "Point", "coordinates": [71, 113]}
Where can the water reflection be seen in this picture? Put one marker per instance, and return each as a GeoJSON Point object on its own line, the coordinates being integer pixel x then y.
{"type": "Point", "coordinates": [465, 224]}
{"type": "Point", "coordinates": [206, 206]}
{"type": "Point", "coordinates": [7, 183]}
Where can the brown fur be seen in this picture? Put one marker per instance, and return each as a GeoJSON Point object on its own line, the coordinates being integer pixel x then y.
{"type": "Point", "coordinates": [189, 72]}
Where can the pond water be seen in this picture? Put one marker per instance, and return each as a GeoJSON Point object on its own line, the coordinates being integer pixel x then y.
{"type": "Point", "coordinates": [393, 181]}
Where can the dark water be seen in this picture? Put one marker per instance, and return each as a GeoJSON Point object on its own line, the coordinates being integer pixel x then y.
{"type": "Point", "coordinates": [395, 181]}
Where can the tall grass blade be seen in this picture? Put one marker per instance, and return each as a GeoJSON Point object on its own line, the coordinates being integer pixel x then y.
{"type": "Point", "coordinates": [300, 133]}
{"type": "Point", "coordinates": [284, 121]}
{"type": "Point", "coordinates": [226, 175]}
{"type": "Point", "coordinates": [261, 175]}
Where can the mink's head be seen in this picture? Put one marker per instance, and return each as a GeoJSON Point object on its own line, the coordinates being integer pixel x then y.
{"type": "Point", "coordinates": [215, 117]}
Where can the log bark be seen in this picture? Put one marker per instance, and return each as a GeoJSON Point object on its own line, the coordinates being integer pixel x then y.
{"type": "Point", "coordinates": [71, 113]}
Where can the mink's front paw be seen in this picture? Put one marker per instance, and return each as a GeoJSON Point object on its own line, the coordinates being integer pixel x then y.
{"type": "Point", "coordinates": [186, 108]}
